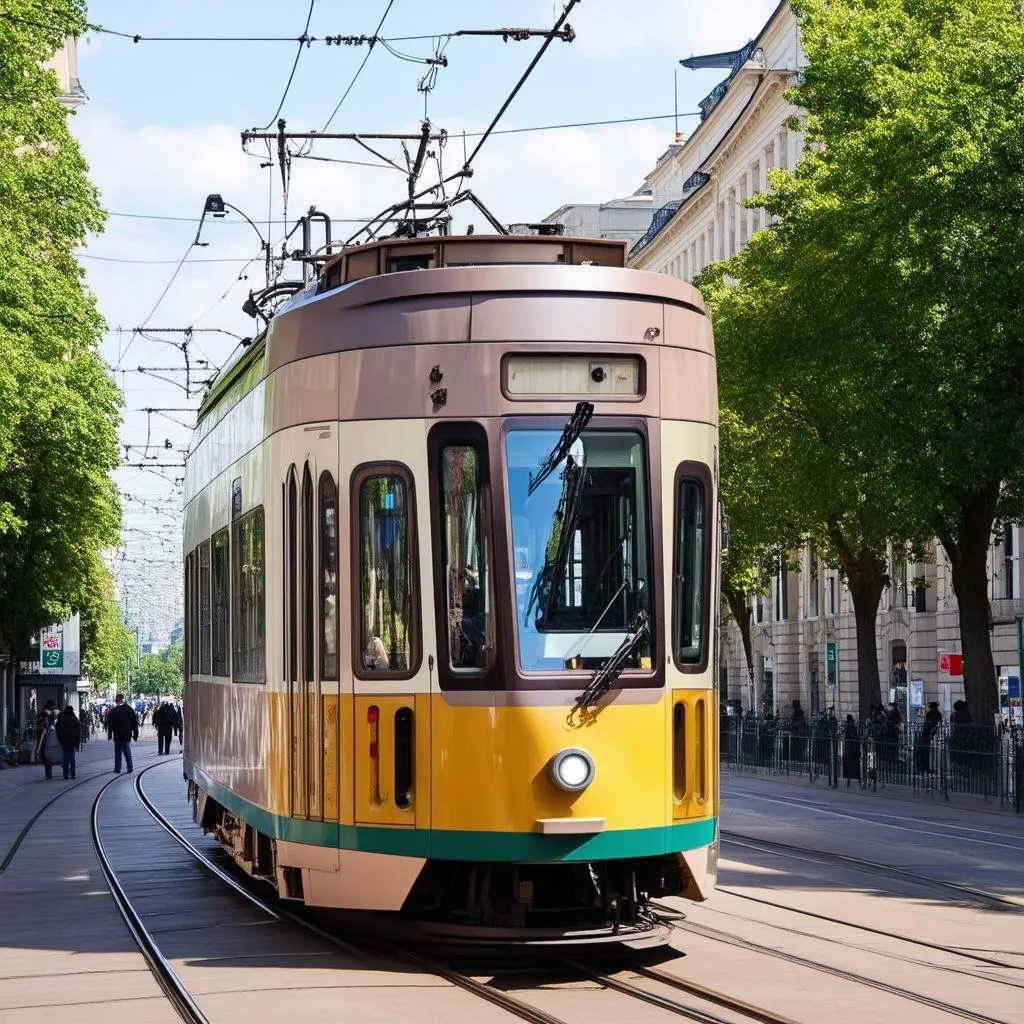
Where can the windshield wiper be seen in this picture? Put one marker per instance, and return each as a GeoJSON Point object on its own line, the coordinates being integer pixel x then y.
{"type": "Point", "coordinates": [570, 434]}
{"type": "Point", "coordinates": [600, 684]}
{"type": "Point", "coordinates": [567, 514]}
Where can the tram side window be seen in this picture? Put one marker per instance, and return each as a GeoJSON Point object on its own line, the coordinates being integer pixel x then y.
{"type": "Point", "coordinates": [249, 599]}
{"type": "Point", "coordinates": [193, 631]}
{"type": "Point", "coordinates": [388, 630]}
{"type": "Point", "coordinates": [691, 571]}
{"type": "Point", "coordinates": [328, 577]}
{"type": "Point", "coordinates": [190, 647]}
{"type": "Point", "coordinates": [221, 607]}
{"type": "Point", "coordinates": [205, 664]}
{"type": "Point", "coordinates": [465, 543]}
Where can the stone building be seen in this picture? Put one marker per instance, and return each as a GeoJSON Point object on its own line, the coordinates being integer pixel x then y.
{"type": "Point", "coordinates": [803, 633]}
{"type": "Point", "coordinates": [65, 63]}
{"type": "Point", "coordinates": [623, 219]}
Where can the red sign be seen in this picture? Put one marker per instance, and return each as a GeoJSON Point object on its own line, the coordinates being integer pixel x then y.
{"type": "Point", "coordinates": [951, 664]}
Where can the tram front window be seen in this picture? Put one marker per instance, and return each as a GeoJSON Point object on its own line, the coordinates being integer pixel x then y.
{"type": "Point", "coordinates": [581, 548]}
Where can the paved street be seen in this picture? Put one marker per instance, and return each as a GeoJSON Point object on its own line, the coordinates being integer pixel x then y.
{"type": "Point", "coordinates": [800, 923]}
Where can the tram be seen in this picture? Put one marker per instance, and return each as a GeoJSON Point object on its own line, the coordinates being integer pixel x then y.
{"type": "Point", "coordinates": [451, 555]}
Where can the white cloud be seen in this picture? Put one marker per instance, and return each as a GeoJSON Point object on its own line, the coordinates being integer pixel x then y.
{"type": "Point", "coordinates": [612, 29]}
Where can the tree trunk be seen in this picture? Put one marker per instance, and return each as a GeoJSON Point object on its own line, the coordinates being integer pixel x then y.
{"type": "Point", "coordinates": [739, 605]}
{"type": "Point", "coordinates": [866, 591]}
{"type": "Point", "coordinates": [967, 548]}
{"type": "Point", "coordinates": [866, 577]}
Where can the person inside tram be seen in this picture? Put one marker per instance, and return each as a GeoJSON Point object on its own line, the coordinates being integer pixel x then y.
{"type": "Point", "coordinates": [376, 655]}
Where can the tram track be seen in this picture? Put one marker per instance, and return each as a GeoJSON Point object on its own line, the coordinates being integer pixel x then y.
{"type": "Point", "coordinates": [172, 986]}
{"type": "Point", "coordinates": [514, 1004]}
{"type": "Point", "coordinates": [30, 824]}
{"type": "Point", "coordinates": [741, 942]}
{"type": "Point", "coordinates": [972, 956]}
{"type": "Point", "coordinates": [991, 900]}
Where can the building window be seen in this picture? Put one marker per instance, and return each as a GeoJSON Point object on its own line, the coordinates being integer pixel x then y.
{"type": "Point", "coordinates": [833, 596]}
{"type": "Point", "coordinates": [328, 577]}
{"type": "Point", "coordinates": [691, 569]}
{"type": "Point", "coordinates": [249, 605]}
{"type": "Point", "coordinates": [781, 588]}
{"type": "Point", "coordinates": [388, 631]}
{"type": "Point", "coordinates": [465, 557]}
{"type": "Point", "coordinates": [221, 606]}
{"type": "Point", "coordinates": [814, 584]}
{"type": "Point", "coordinates": [205, 617]}
{"type": "Point", "coordinates": [1008, 562]}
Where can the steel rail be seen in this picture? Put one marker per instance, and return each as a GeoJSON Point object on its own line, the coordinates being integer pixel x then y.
{"type": "Point", "coordinates": [838, 972]}
{"type": "Point", "coordinates": [504, 1000]}
{"type": "Point", "coordinates": [171, 984]}
{"type": "Point", "coordinates": [874, 867]}
{"type": "Point", "coordinates": [21, 836]}
{"type": "Point", "coordinates": [681, 1009]}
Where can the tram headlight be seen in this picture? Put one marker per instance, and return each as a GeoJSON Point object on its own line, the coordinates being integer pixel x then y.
{"type": "Point", "coordinates": [572, 770]}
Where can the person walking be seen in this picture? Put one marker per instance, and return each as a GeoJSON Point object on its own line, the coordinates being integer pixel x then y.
{"type": "Point", "coordinates": [122, 728]}
{"type": "Point", "coordinates": [179, 723]}
{"type": "Point", "coordinates": [50, 750]}
{"type": "Point", "coordinates": [163, 719]}
{"type": "Point", "coordinates": [69, 732]}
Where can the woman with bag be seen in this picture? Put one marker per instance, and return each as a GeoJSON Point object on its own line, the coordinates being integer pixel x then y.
{"type": "Point", "coordinates": [50, 750]}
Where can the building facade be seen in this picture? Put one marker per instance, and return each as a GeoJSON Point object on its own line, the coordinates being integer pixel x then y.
{"type": "Point", "coordinates": [65, 65]}
{"type": "Point", "coordinates": [623, 219]}
{"type": "Point", "coordinates": [803, 632]}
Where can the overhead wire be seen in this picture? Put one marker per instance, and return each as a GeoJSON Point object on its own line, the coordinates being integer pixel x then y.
{"type": "Point", "coordinates": [359, 70]}
{"type": "Point", "coordinates": [303, 41]}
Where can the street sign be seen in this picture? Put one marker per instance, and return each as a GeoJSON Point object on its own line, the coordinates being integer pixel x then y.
{"type": "Point", "coordinates": [951, 663]}
{"type": "Point", "coordinates": [1013, 687]}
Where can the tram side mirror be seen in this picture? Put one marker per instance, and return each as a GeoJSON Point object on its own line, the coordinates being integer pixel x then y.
{"type": "Point", "coordinates": [725, 529]}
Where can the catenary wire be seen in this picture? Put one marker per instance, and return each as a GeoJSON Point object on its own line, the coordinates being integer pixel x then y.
{"type": "Point", "coordinates": [359, 70]}
{"type": "Point", "coordinates": [303, 41]}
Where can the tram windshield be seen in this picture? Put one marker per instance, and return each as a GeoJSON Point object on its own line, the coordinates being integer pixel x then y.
{"type": "Point", "coordinates": [581, 547]}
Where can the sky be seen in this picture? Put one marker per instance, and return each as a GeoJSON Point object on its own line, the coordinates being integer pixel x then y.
{"type": "Point", "coordinates": [161, 130]}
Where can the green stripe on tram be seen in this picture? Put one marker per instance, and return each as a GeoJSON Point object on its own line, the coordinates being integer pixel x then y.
{"type": "Point", "coordinates": [452, 844]}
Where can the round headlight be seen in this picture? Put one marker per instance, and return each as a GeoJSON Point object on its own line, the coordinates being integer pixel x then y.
{"type": "Point", "coordinates": [572, 770]}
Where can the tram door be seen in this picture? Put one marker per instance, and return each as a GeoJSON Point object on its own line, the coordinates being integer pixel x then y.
{"type": "Point", "coordinates": [384, 470]}
{"type": "Point", "coordinates": [311, 561]}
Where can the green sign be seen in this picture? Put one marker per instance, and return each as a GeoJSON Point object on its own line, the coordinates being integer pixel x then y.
{"type": "Point", "coordinates": [830, 664]}
{"type": "Point", "coordinates": [53, 659]}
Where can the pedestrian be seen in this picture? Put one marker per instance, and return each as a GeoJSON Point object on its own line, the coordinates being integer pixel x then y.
{"type": "Point", "coordinates": [69, 732]}
{"type": "Point", "coordinates": [163, 720]}
{"type": "Point", "coordinates": [179, 724]}
{"type": "Point", "coordinates": [851, 750]}
{"type": "Point", "coordinates": [122, 728]}
{"type": "Point", "coordinates": [49, 749]}
{"type": "Point", "coordinates": [932, 723]}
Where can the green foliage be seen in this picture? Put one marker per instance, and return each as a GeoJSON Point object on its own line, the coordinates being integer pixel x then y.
{"type": "Point", "coordinates": [58, 435]}
{"type": "Point", "coordinates": [161, 674]}
{"type": "Point", "coordinates": [108, 645]}
{"type": "Point", "coordinates": [877, 328]}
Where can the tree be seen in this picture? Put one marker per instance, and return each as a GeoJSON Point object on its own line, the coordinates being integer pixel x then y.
{"type": "Point", "coordinates": [162, 674]}
{"type": "Point", "coordinates": [58, 435]}
{"type": "Point", "coordinates": [808, 462]}
{"type": "Point", "coordinates": [915, 179]}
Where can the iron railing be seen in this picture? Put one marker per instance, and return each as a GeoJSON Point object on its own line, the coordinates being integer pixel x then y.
{"type": "Point", "coordinates": [986, 762]}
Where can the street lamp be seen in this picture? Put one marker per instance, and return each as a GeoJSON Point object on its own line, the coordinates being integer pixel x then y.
{"type": "Point", "coordinates": [217, 207]}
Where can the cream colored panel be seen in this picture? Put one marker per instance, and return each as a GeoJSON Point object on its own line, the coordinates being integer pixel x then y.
{"type": "Point", "coordinates": [686, 442]}
{"type": "Point", "coordinates": [401, 441]}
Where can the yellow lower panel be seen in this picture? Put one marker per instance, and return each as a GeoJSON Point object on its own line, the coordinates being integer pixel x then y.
{"type": "Point", "coordinates": [490, 766]}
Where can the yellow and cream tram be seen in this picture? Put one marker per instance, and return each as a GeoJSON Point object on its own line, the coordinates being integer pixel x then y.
{"type": "Point", "coordinates": [450, 574]}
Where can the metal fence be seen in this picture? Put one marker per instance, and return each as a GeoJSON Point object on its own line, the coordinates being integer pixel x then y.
{"type": "Point", "coordinates": [950, 759]}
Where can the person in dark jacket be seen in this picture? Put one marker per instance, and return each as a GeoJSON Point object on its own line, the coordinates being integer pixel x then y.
{"type": "Point", "coordinates": [122, 728]}
{"type": "Point", "coordinates": [163, 719]}
{"type": "Point", "coordinates": [851, 750]}
{"type": "Point", "coordinates": [69, 732]}
{"type": "Point", "coordinates": [49, 747]}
